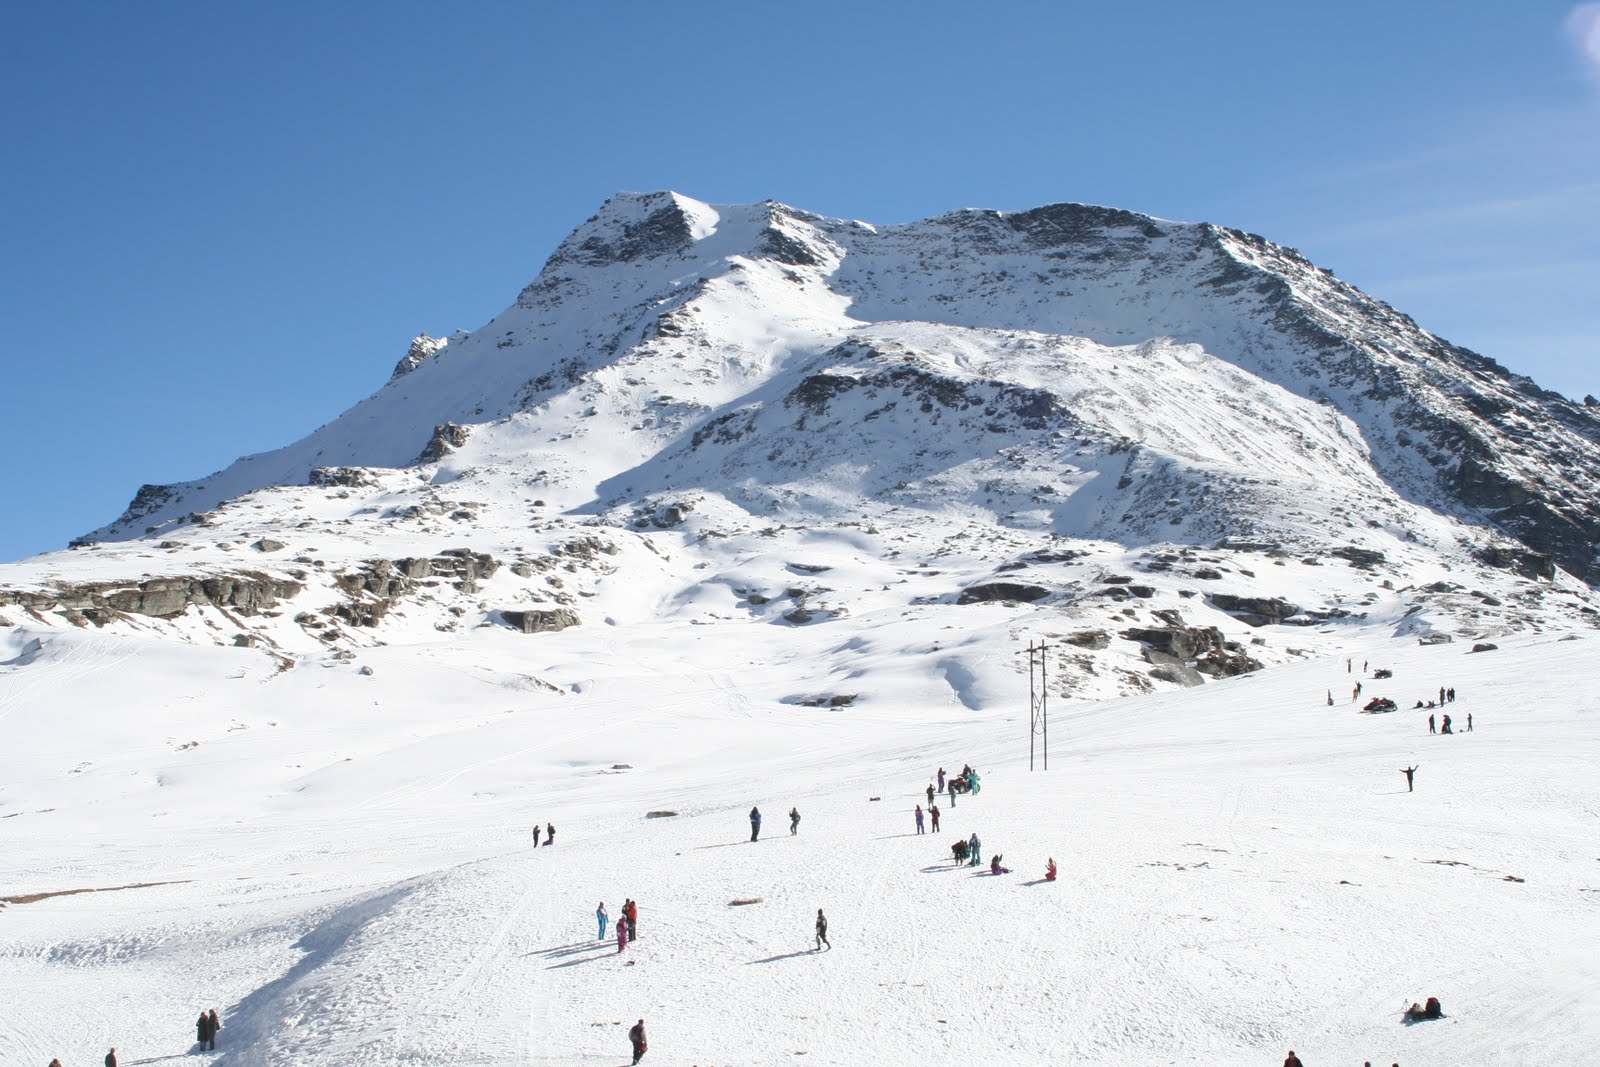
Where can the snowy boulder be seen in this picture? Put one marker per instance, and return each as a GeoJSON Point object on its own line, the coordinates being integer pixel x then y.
{"type": "Point", "coordinates": [1484, 646]}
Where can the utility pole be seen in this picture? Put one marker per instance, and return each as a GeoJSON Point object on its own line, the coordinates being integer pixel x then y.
{"type": "Point", "coordinates": [1038, 702]}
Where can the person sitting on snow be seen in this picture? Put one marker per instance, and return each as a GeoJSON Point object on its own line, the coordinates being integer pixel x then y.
{"type": "Point", "coordinates": [994, 866]}
{"type": "Point", "coordinates": [1050, 870]}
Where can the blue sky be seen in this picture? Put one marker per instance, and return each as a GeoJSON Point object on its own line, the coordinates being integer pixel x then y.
{"type": "Point", "coordinates": [222, 224]}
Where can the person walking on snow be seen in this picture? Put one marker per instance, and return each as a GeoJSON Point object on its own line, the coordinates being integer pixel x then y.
{"type": "Point", "coordinates": [919, 818]}
{"type": "Point", "coordinates": [1408, 772]}
{"type": "Point", "coordinates": [1469, 722]}
{"type": "Point", "coordinates": [822, 931]}
{"type": "Point", "coordinates": [215, 1024]}
{"type": "Point", "coordinates": [933, 813]}
{"type": "Point", "coordinates": [1431, 729]}
{"type": "Point", "coordinates": [974, 850]}
{"type": "Point", "coordinates": [202, 1031]}
{"type": "Point", "coordinates": [631, 910]}
{"type": "Point", "coordinates": [755, 823]}
{"type": "Point", "coordinates": [636, 1039]}
{"type": "Point", "coordinates": [602, 918]}
{"type": "Point", "coordinates": [549, 833]}
{"type": "Point", "coordinates": [794, 821]}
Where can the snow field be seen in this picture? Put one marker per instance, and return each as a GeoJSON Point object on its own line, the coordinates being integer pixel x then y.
{"type": "Point", "coordinates": [1242, 870]}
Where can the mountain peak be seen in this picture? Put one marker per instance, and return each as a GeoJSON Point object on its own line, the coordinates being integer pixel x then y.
{"type": "Point", "coordinates": [634, 226]}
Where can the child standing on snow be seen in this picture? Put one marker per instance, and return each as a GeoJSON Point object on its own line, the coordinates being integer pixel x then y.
{"type": "Point", "coordinates": [622, 933]}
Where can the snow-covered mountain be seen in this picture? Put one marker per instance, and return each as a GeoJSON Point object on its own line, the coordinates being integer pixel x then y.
{"type": "Point", "coordinates": [1036, 408]}
{"type": "Point", "coordinates": [742, 505]}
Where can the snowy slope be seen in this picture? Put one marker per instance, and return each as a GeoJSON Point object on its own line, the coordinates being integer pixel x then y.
{"type": "Point", "coordinates": [349, 876]}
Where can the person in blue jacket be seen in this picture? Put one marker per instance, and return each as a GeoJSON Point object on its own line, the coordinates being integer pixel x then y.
{"type": "Point", "coordinates": [602, 918]}
{"type": "Point", "coordinates": [755, 823]}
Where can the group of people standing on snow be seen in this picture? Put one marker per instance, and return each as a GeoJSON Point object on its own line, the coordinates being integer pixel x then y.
{"type": "Point", "coordinates": [549, 835]}
{"type": "Point", "coordinates": [627, 923]}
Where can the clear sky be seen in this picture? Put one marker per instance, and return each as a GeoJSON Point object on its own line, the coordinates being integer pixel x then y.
{"type": "Point", "coordinates": [221, 224]}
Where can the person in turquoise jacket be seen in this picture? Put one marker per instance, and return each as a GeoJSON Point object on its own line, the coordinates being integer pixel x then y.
{"type": "Point", "coordinates": [974, 847]}
{"type": "Point", "coordinates": [602, 918]}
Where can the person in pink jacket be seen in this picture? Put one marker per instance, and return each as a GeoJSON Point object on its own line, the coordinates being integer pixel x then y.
{"type": "Point", "coordinates": [622, 932]}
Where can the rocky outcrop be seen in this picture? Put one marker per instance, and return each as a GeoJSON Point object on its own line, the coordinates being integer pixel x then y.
{"type": "Point", "coordinates": [423, 347]}
{"type": "Point", "coordinates": [249, 593]}
{"type": "Point", "coordinates": [447, 437]}
{"type": "Point", "coordinates": [1093, 640]}
{"type": "Point", "coordinates": [1523, 561]}
{"type": "Point", "coordinates": [348, 477]}
{"type": "Point", "coordinates": [374, 588]}
{"type": "Point", "coordinates": [540, 621]}
{"type": "Point", "coordinates": [1255, 610]}
{"type": "Point", "coordinates": [993, 591]}
{"type": "Point", "coordinates": [1204, 647]}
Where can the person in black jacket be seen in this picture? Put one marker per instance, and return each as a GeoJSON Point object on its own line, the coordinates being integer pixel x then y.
{"type": "Point", "coordinates": [636, 1039]}
{"type": "Point", "coordinates": [1408, 772]}
{"type": "Point", "coordinates": [111, 1058]}
{"type": "Point", "coordinates": [755, 823]}
{"type": "Point", "coordinates": [822, 931]}
{"type": "Point", "coordinates": [202, 1031]}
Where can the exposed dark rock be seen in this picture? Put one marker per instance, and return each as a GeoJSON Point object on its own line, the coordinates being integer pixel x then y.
{"type": "Point", "coordinates": [346, 477]}
{"type": "Point", "coordinates": [1255, 611]}
{"type": "Point", "coordinates": [1090, 639]}
{"type": "Point", "coordinates": [1484, 646]}
{"type": "Point", "coordinates": [992, 591]}
{"type": "Point", "coordinates": [246, 593]}
{"type": "Point", "coordinates": [447, 437]}
{"type": "Point", "coordinates": [540, 621]}
{"type": "Point", "coordinates": [1169, 669]}
{"type": "Point", "coordinates": [1359, 557]}
{"type": "Point", "coordinates": [267, 544]}
{"type": "Point", "coordinates": [1523, 561]}
{"type": "Point", "coordinates": [423, 347]}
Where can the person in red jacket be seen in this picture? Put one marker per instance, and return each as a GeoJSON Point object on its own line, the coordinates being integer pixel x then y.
{"type": "Point", "coordinates": [631, 910]}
